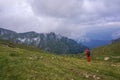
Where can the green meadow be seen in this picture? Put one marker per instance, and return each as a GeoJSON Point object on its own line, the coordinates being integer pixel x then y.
{"type": "Point", "coordinates": [18, 62]}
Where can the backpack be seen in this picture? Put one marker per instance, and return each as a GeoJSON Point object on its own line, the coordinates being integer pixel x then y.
{"type": "Point", "coordinates": [88, 53]}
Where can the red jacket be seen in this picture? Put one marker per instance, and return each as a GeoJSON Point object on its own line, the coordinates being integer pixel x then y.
{"type": "Point", "coordinates": [86, 51]}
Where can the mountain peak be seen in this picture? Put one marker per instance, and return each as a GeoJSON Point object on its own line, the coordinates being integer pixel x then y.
{"type": "Point", "coordinates": [50, 42]}
{"type": "Point", "coordinates": [31, 32]}
{"type": "Point", "coordinates": [6, 30]}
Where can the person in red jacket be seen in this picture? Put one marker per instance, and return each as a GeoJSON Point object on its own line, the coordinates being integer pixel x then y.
{"type": "Point", "coordinates": [87, 51]}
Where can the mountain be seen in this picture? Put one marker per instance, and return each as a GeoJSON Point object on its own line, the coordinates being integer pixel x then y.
{"type": "Point", "coordinates": [116, 35]}
{"type": "Point", "coordinates": [7, 34]}
{"type": "Point", "coordinates": [116, 40]}
{"type": "Point", "coordinates": [49, 42]}
{"type": "Point", "coordinates": [96, 43]}
{"type": "Point", "coordinates": [99, 36]}
{"type": "Point", "coordinates": [28, 63]}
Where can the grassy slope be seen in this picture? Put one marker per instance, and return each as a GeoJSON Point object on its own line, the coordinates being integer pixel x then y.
{"type": "Point", "coordinates": [112, 51]}
{"type": "Point", "coordinates": [23, 64]}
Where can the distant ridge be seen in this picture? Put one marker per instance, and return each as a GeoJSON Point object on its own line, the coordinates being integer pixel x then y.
{"type": "Point", "coordinates": [50, 42]}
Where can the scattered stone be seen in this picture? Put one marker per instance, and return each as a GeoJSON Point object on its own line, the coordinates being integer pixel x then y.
{"type": "Point", "coordinates": [41, 57]}
{"type": "Point", "coordinates": [94, 76]}
{"type": "Point", "coordinates": [115, 65]}
{"type": "Point", "coordinates": [106, 58]}
{"type": "Point", "coordinates": [97, 70]}
{"type": "Point", "coordinates": [87, 76]}
{"type": "Point", "coordinates": [33, 57]}
{"type": "Point", "coordinates": [30, 58]}
{"type": "Point", "coordinates": [52, 57]}
{"type": "Point", "coordinates": [98, 78]}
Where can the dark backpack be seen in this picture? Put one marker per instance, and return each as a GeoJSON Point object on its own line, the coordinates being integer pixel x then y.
{"type": "Point", "coordinates": [88, 53]}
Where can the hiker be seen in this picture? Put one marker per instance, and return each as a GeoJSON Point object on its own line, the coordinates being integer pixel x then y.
{"type": "Point", "coordinates": [87, 51]}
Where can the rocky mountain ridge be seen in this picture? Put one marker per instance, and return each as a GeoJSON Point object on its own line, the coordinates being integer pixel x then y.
{"type": "Point", "coordinates": [50, 42]}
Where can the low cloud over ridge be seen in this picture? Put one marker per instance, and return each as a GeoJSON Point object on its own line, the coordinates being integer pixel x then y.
{"type": "Point", "coordinates": [71, 18]}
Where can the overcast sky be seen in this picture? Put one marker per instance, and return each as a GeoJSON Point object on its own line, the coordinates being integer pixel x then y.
{"type": "Point", "coordinates": [71, 18]}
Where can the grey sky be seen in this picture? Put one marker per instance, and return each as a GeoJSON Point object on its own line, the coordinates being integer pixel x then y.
{"type": "Point", "coordinates": [72, 18]}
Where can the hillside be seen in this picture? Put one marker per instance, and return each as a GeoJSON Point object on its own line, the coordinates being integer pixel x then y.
{"type": "Point", "coordinates": [13, 45]}
{"type": "Point", "coordinates": [51, 42]}
{"type": "Point", "coordinates": [112, 51]}
{"type": "Point", "coordinates": [117, 40]}
{"type": "Point", "coordinates": [22, 64]}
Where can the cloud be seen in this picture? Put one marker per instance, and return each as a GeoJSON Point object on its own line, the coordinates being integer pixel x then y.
{"type": "Point", "coordinates": [71, 18]}
{"type": "Point", "coordinates": [116, 35]}
{"type": "Point", "coordinates": [75, 8]}
{"type": "Point", "coordinates": [61, 8]}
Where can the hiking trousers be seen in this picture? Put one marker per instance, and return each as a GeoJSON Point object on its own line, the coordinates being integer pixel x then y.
{"type": "Point", "coordinates": [88, 58]}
